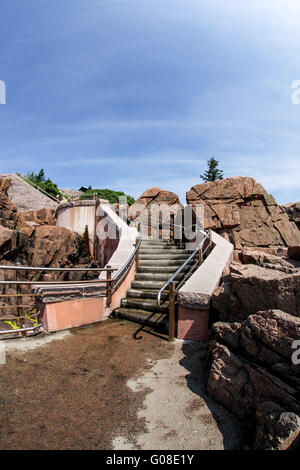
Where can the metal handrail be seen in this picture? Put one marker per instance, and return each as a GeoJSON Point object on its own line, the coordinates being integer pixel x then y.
{"type": "Point", "coordinates": [33, 268]}
{"type": "Point", "coordinates": [36, 186]}
{"type": "Point", "coordinates": [76, 283]}
{"type": "Point", "coordinates": [207, 235]}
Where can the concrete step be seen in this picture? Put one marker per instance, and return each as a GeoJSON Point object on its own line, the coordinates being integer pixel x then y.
{"type": "Point", "coordinates": [157, 253]}
{"type": "Point", "coordinates": [157, 320]}
{"type": "Point", "coordinates": [157, 242]}
{"type": "Point", "coordinates": [156, 269]}
{"type": "Point", "coordinates": [161, 262]}
{"type": "Point", "coordinates": [155, 276]}
{"type": "Point", "coordinates": [163, 256]}
{"type": "Point", "coordinates": [144, 304]}
{"type": "Point", "coordinates": [163, 250]}
{"type": "Point", "coordinates": [146, 294]}
{"type": "Point", "coordinates": [147, 285]}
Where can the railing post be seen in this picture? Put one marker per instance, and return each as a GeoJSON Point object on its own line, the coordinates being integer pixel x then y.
{"type": "Point", "coordinates": [108, 287]}
{"type": "Point", "coordinates": [172, 311]}
{"type": "Point", "coordinates": [200, 256]}
{"type": "Point", "coordinates": [19, 309]}
{"type": "Point", "coordinates": [137, 256]}
{"type": "Point", "coordinates": [210, 239]}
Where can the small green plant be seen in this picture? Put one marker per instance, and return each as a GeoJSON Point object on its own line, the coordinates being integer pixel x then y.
{"type": "Point", "coordinates": [112, 196]}
{"type": "Point", "coordinates": [13, 324]}
{"type": "Point", "coordinates": [28, 315]}
{"type": "Point", "coordinates": [32, 313]}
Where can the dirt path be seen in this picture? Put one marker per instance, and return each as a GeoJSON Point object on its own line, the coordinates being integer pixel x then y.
{"type": "Point", "coordinates": [98, 388]}
{"type": "Point", "coordinates": [178, 413]}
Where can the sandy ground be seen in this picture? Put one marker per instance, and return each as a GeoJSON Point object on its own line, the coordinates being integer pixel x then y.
{"type": "Point", "coordinates": [178, 413]}
{"type": "Point", "coordinates": [99, 388]}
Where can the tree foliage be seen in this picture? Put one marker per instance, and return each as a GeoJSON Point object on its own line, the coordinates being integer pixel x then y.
{"type": "Point", "coordinates": [213, 173]}
{"type": "Point", "coordinates": [112, 196]}
{"type": "Point", "coordinates": [45, 184]}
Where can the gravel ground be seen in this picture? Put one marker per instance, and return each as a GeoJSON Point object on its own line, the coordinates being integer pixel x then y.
{"type": "Point", "coordinates": [99, 388]}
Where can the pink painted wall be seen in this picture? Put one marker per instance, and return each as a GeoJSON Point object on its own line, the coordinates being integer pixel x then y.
{"type": "Point", "coordinates": [192, 324]}
{"type": "Point", "coordinates": [121, 291]}
{"type": "Point", "coordinates": [73, 313]}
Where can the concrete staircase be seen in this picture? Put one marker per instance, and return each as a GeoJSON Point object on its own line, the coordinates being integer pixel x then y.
{"type": "Point", "coordinates": [157, 261]}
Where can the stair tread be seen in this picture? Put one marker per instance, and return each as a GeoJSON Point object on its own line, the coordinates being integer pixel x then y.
{"type": "Point", "coordinates": [144, 304]}
{"type": "Point", "coordinates": [144, 317]}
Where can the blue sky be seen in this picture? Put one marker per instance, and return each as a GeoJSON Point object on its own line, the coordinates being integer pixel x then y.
{"type": "Point", "coordinates": [130, 94]}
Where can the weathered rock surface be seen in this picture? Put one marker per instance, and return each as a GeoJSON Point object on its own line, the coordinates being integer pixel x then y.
{"type": "Point", "coordinates": [241, 386]}
{"type": "Point", "coordinates": [250, 288]}
{"type": "Point", "coordinates": [276, 429]}
{"type": "Point", "coordinates": [293, 211]}
{"type": "Point", "coordinates": [254, 375]}
{"type": "Point", "coordinates": [242, 211]}
{"type": "Point", "coordinates": [267, 338]}
{"type": "Point", "coordinates": [31, 238]}
{"type": "Point", "coordinates": [244, 387]}
{"type": "Point", "coordinates": [154, 208]}
{"type": "Point", "coordinates": [269, 261]}
{"type": "Point", "coordinates": [7, 209]}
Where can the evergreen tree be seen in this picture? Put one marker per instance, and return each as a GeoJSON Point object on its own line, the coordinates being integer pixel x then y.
{"type": "Point", "coordinates": [213, 173]}
{"type": "Point", "coordinates": [41, 176]}
{"type": "Point", "coordinates": [40, 180]}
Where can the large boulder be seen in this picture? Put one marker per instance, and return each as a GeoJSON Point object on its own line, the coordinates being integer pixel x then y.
{"type": "Point", "coordinates": [241, 386]}
{"type": "Point", "coordinates": [269, 261]}
{"type": "Point", "coordinates": [293, 211]}
{"type": "Point", "coordinates": [32, 239]}
{"type": "Point", "coordinates": [155, 209]}
{"type": "Point", "coordinates": [254, 371]}
{"type": "Point", "coordinates": [276, 429]}
{"type": "Point", "coordinates": [7, 209]}
{"type": "Point", "coordinates": [242, 211]}
{"type": "Point", "coordinates": [251, 288]}
{"type": "Point", "coordinates": [268, 407]}
{"type": "Point", "coordinates": [267, 338]}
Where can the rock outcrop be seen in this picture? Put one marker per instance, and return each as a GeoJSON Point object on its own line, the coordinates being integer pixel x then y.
{"type": "Point", "coordinates": [250, 288]}
{"type": "Point", "coordinates": [242, 211]}
{"type": "Point", "coordinates": [256, 329]}
{"type": "Point", "coordinates": [154, 209]}
{"type": "Point", "coordinates": [31, 238]}
{"type": "Point", "coordinates": [252, 373]}
{"type": "Point", "coordinates": [293, 211]}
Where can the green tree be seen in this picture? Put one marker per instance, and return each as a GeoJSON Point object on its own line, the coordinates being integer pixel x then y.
{"type": "Point", "coordinates": [112, 196]}
{"type": "Point", "coordinates": [213, 173]}
{"type": "Point", "coordinates": [41, 176]}
{"type": "Point", "coordinates": [40, 180]}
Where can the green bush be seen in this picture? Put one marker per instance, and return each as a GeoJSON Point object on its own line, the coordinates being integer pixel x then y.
{"type": "Point", "coordinates": [112, 196]}
{"type": "Point", "coordinates": [45, 184]}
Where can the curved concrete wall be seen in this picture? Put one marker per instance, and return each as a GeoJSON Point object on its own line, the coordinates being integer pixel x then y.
{"type": "Point", "coordinates": [75, 216]}
{"type": "Point", "coordinates": [68, 312]}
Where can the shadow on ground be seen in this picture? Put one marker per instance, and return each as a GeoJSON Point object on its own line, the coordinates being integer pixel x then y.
{"type": "Point", "coordinates": [195, 362]}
